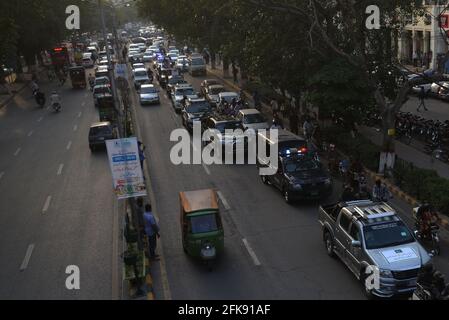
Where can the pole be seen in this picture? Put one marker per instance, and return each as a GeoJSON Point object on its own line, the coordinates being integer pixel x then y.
{"type": "Point", "coordinates": [111, 71]}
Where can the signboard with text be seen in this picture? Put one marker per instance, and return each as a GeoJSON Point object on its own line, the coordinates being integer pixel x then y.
{"type": "Point", "coordinates": [125, 166]}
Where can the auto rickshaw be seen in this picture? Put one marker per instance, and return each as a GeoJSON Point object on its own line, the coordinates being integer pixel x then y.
{"type": "Point", "coordinates": [78, 77]}
{"type": "Point", "coordinates": [201, 225]}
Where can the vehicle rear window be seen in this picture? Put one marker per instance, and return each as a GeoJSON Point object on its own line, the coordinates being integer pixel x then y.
{"type": "Point", "coordinates": [197, 62]}
{"type": "Point", "coordinates": [253, 118]}
{"type": "Point", "coordinates": [228, 126]}
{"type": "Point", "coordinates": [301, 165]}
{"type": "Point", "coordinates": [197, 107]}
{"type": "Point", "coordinates": [386, 235]}
{"type": "Point", "coordinates": [103, 130]}
{"type": "Point", "coordinates": [203, 224]}
{"type": "Point", "coordinates": [140, 73]}
{"type": "Point", "coordinates": [185, 92]}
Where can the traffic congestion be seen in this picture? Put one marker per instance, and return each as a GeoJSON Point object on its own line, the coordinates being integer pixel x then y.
{"type": "Point", "coordinates": [141, 163]}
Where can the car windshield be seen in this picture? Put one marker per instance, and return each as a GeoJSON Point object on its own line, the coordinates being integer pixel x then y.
{"type": "Point", "coordinates": [300, 165]}
{"type": "Point", "coordinates": [185, 92]}
{"type": "Point", "coordinates": [216, 90]}
{"type": "Point", "coordinates": [148, 90]}
{"type": "Point", "coordinates": [231, 125]}
{"type": "Point", "coordinates": [387, 235]}
{"type": "Point", "coordinates": [103, 130]}
{"type": "Point", "coordinates": [253, 118]}
{"type": "Point", "coordinates": [197, 62]}
{"type": "Point", "coordinates": [204, 223]}
{"type": "Point", "coordinates": [140, 73]}
{"type": "Point", "coordinates": [100, 90]}
{"type": "Point", "coordinates": [176, 80]}
{"type": "Point", "coordinates": [198, 107]}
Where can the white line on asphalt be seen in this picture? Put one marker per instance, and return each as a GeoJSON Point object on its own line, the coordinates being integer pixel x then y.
{"type": "Point", "coordinates": [206, 169]}
{"type": "Point", "coordinates": [1, 175]}
{"type": "Point", "coordinates": [251, 252]}
{"type": "Point", "coordinates": [80, 114]}
{"type": "Point", "coordinates": [27, 258]}
{"type": "Point", "coordinates": [17, 152]}
{"type": "Point", "coordinates": [40, 119]}
{"type": "Point", "coordinates": [61, 166]}
{"type": "Point", "coordinates": [47, 204]}
{"type": "Point", "coordinates": [69, 145]}
{"type": "Point", "coordinates": [75, 128]}
{"type": "Point", "coordinates": [30, 133]}
{"type": "Point", "coordinates": [223, 200]}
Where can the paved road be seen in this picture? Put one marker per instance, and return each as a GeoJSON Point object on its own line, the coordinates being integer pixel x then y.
{"type": "Point", "coordinates": [285, 239]}
{"type": "Point", "coordinates": [438, 109]}
{"type": "Point", "coordinates": [56, 201]}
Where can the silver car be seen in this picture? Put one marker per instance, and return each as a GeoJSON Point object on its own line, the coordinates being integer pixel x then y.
{"type": "Point", "coordinates": [149, 94]}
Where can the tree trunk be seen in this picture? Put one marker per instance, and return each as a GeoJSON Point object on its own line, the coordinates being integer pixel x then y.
{"type": "Point", "coordinates": [213, 60]}
{"type": "Point", "coordinates": [225, 67]}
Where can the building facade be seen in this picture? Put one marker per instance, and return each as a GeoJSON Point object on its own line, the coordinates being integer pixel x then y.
{"type": "Point", "coordinates": [424, 40]}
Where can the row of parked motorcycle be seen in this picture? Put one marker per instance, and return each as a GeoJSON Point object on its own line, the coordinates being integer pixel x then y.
{"type": "Point", "coordinates": [434, 134]}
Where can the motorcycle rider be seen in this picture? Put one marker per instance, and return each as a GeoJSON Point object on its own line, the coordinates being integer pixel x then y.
{"type": "Point", "coordinates": [55, 100]}
{"type": "Point", "coordinates": [425, 218]}
{"type": "Point", "coordinates": [40, 98]}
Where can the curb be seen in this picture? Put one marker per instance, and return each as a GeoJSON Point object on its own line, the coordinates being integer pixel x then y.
{"type": "Point", "coordinates": [404, 196]}
{"type": "Point", "coordinates": [12, 96]}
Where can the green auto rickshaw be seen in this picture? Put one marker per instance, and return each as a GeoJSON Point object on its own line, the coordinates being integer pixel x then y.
{"type": "Point", "coordinates": [201, 225]}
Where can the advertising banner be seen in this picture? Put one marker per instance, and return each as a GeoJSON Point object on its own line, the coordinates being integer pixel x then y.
{"type": "Point", "coordinates": [125, 166]}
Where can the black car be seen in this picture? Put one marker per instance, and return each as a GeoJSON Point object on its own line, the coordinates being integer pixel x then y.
{"type": "Point", "coordinates": [195, 110]}
{"type": "Point", "coordinates": [98, 134]}
{"type": "Point", "coordinates": [300, 176]}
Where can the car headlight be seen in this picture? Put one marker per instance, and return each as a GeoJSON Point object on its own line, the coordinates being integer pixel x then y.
{"type": "Point", "coordinates": [385, 273]}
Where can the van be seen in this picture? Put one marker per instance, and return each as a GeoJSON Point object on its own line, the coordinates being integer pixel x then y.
{"type": "Point", "coordinates": [197, 66]}
{"type": "Point", "coordinates": [87, 61]}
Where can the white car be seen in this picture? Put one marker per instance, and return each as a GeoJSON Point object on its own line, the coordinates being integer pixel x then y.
{"type": "Point", "coordinates": [252, 119]}
{"type": "Point", "coordinates": [138, 66]}
{"type": "Point", "coordinates": [149, 94]}
{"type": "Point", "coordinates": [140, 77]}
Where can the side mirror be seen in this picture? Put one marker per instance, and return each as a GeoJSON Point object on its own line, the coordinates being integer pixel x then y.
{"type": "Point", "coordinates": [356, 244]}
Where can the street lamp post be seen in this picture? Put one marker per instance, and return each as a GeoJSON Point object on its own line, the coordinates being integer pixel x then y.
{"type": "Point", "coordinates": [111, 71]}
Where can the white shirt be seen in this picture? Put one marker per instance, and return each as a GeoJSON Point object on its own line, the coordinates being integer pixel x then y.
{"type": "Point", "coordinates": [55, 98]}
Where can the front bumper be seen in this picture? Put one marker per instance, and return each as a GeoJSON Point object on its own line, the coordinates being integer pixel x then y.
{"type": "Point", "coordinates": [390, 287]}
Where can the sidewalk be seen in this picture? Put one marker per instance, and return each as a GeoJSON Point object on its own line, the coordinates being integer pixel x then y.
{"type": "Point", "coordinates": [438, 109]}
{"type": "Point", "coordinates": [14, 89]}
{"type": "Point", "coordinates": [409, 153]}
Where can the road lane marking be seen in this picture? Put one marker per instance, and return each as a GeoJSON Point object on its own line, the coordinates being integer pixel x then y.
{"type": "Point", "coordinates": [80, 114]}
{"type": "Point", "coordinates": [251, 252]}
{"type": "Point", "coordinates": [40, 119]}
{"type": "Point", "coordinates": [223, 200]}
{"type": "Point", "coordinates": [75, 128]}
{"type": "Point", "coordinates": [47, 204]}
{"type": "Point", "coordinates": [61, 166]}
{"type": "Point", "coordinates": [17, 152]}
{"type": "Point", "coordinates": [27, 258]}
{"type": "Point", "coordinates": [30, 133]}
{"type": "Point", "coordinates": [206, 169]}
{"type": "Point", "coordinates": [1, 175]}
{"type": "Point", "coordinates": [69, 145]}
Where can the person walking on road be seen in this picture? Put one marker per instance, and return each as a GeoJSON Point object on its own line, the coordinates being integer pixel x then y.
{"type": "Point", "coordinates": [422, 96]}
{"type": "Point", "coordinates": [141, 154]}
{"type": "Point", "coordinates": [294, 121]}
{"type": "Point", "coordinates": [381, 192]}
{"type": "Point", "coordinates": [307, 128]}
{"type": "Point", "coordinates": [152, 231]}
{"type": "Point", "coordinates": [235, 73]}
